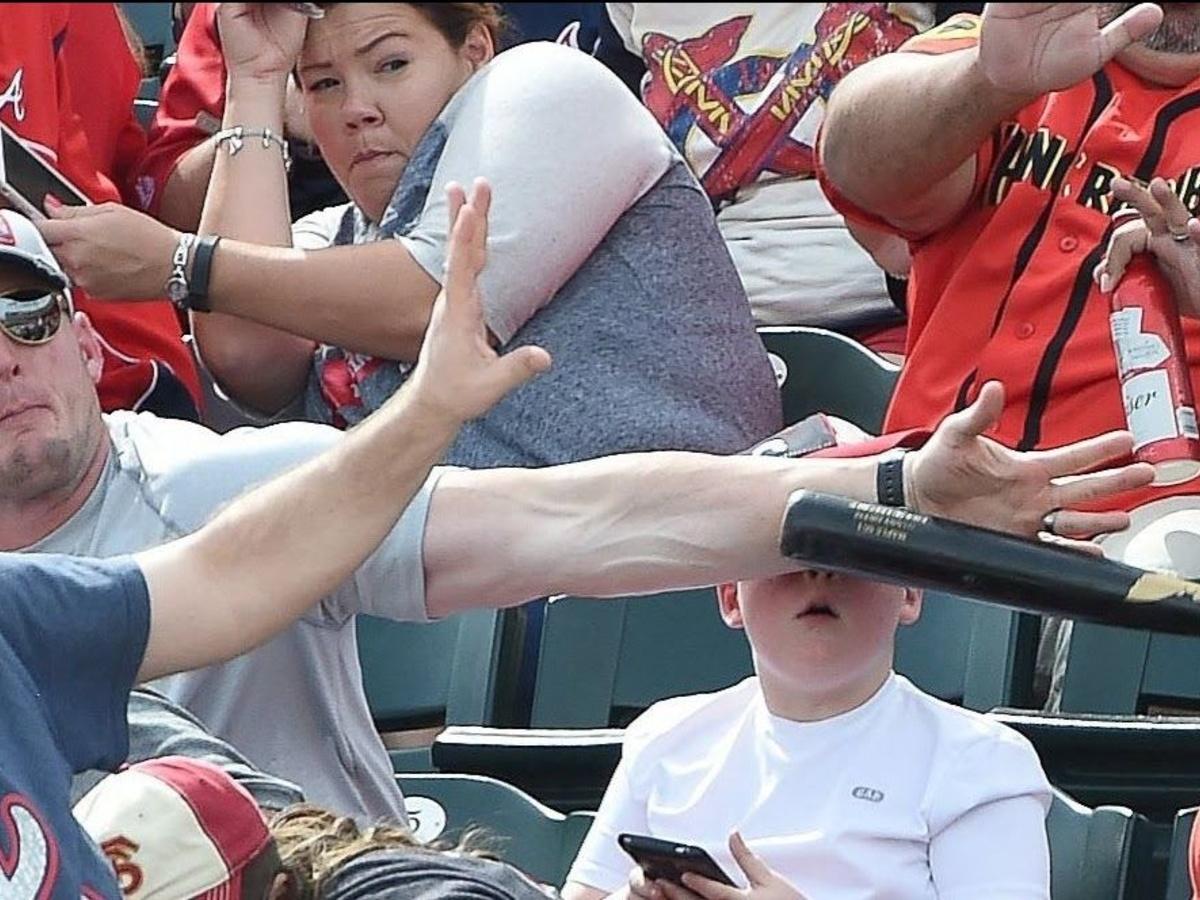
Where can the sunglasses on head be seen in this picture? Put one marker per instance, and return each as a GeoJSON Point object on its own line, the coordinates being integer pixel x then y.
{"type": "Point", "coordinates": [32, 317]}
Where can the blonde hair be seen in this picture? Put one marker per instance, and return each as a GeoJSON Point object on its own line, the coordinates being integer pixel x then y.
{"type": "Point", "coordinates": [314, 843]}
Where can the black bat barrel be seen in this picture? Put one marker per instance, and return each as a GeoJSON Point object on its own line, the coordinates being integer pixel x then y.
{"type": "Point", "coordinates": [884, 543]}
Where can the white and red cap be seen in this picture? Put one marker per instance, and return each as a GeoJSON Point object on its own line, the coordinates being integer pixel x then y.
{"type": "Point", "coordinates": [175, 828]}
{"type": "Point", "coordinates": [21, 243]}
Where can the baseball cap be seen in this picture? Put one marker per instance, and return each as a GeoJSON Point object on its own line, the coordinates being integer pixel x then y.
{"type": "Point", "coordinates": [175, 827]}
{"type": "Point", "coordinates": [22, 244]}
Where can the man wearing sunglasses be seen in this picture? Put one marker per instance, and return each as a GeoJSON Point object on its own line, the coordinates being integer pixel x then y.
{"type": "Point", "coordinates": [73, 482]}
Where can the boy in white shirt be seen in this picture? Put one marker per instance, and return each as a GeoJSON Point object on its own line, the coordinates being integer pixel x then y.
{"type": "Point", "coordinates": [845, 781]}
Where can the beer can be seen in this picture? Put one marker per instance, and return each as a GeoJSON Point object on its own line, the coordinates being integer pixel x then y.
{"type": "Point", "coordinates": [1156, 382]}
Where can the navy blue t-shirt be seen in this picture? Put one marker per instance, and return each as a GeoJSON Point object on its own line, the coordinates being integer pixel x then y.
{"type": "Point", "coordinates": [72, 636]}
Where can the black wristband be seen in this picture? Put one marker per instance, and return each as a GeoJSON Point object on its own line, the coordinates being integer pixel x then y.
{"type": "Point", "coordinates": [889, 479]}
{"type": "Point", "coordinates": [197, 298]}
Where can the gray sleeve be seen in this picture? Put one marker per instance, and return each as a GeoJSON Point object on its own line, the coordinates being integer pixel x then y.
{"type": "Point", "coordinates": [158, 727]}
{"type": "Point", "coordinates": [567, 149]}
{"type": "Point", "coordinates": [391, 582]}
{"type": "Point", "coordinates": [319, 228]}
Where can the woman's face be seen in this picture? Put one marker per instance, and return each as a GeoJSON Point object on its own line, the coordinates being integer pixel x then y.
{"type": "Point", "coordinates": [375, 76]}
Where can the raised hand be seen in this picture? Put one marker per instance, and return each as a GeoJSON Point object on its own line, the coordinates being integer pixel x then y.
{"type": "Point", "coordinates": [1164, 228]}
{"type": "Point", "coordinates": [765, 883]}
{"type": "Point", "coordinates": [960, 474]}
{"type": "Point", "coordinates": [458, 371]}
{"type": "Point", "coordinates": [260, 41]}
{"type": "Point", "coordinates": [1034, 48]}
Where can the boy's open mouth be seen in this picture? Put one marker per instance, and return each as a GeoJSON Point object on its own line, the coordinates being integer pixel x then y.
{"type": "Point", "coordinates": [819, 609]}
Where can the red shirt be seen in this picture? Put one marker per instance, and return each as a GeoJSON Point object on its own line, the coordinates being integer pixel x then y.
{"type": "Point", "coordinates": [1005, 292]}
{"type": "Point", "coordinates": [105, 78]}
{"type": "Point", "coordinates": [144, 349]}
{"type": "Point", "coordinates": [190, 104]}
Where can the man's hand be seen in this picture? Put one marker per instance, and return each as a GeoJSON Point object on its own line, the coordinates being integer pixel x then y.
{"type": "Point", "coordinates": [1030, 49]}
{"type": "Point", "coordinates": [1165, 229]}
{"type": "Point", "coordinates": [458, 372]}
{"type": "Point", "coordinates": [110, 250]}
{"type": "Point", "coordinates": [765, 883]}
{"type": "Point", "coordinates": [960, 474]}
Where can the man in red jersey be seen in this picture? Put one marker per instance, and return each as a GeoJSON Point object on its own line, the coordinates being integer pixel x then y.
{"type": "Point", "coordinates": [146, 364]}
{"type": "Point", "coordinates": [993, 146]}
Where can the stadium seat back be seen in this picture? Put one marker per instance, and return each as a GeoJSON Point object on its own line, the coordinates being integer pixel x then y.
{"type": "Point", "coordinates": [1120, 671]}
{"type": "Point", "coordinates": [602, 661]}
{"type": "Point", "coordinates": [1179, 880]}
{"type": "Point", "coordinates": [822, 371]}
{"type": "Point", "coordinates": [1094, 853]}
{"type": "Point", "coordinates": [420, 676]}
{"type": "Point", "coordinates": [536, 839]}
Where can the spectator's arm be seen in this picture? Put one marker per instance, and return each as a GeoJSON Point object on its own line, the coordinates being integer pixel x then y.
{"type": "Point", "coordinates": [900, 136]}
{"type": "Point", "coordinates": [262, 367]}
{"type": "Point", "coordinates": [181, 198]}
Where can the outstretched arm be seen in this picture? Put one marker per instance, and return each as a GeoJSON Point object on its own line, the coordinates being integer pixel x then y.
{"type": "Point", "coordinates": [901, 132]}
{"type": "Point", "coordinates": [264, 560]}
{"type": "Point", "coordinates": [647, 522]}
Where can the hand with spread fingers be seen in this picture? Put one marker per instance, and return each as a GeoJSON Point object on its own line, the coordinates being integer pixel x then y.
{"type": "Point", "coordinates": [458, 371]}
{"type": "Point", "coordinates": [1159, 224]}
{"type": "Point", "coordinates": [765, 883]}
{"type": "Point", "coordinates": [960, 474]}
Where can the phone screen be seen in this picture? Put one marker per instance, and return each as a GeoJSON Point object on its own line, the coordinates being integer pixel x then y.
{"type": "Point", "coordinates": [26, 174]}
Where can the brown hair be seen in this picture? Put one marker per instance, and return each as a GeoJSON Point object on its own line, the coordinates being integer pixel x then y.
{"type": "Point", "coordinates": [314, 843]}
{"type": "Point", "coordinates": [455, 20]}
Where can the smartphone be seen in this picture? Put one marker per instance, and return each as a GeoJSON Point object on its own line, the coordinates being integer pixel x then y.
{"type": "Point", "coordinates": [668, 860]}
{"type": "Point", "coordinates": [25, 178]}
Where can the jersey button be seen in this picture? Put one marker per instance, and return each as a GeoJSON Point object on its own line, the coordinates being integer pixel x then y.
{"type": "Point", "coordinates": [1025, 330]}
{"type": "Point", "coordinates": [1068, 243]}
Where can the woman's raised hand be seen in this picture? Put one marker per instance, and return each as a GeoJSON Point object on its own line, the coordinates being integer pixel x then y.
{"type": "Point", "coordinates": [260, 41]}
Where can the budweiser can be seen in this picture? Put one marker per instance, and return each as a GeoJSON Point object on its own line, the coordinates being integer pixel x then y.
{"type": "Point", "coordinates": [1156, 382]}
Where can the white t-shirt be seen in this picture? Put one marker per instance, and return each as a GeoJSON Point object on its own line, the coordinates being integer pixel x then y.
{"type": "Point", "coordinates": [903, 797]}
{"type": "Point", "coordinates": [294, 706]}
{"type": "Point", "coordinates": [741, 88]}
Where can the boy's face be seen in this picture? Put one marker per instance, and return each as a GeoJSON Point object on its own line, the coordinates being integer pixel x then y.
{"type": "Point", "coordinates": [818, 632]}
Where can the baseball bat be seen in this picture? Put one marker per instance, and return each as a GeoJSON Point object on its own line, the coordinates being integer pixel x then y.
{"type": "Point", "coordinates": [886, 543]}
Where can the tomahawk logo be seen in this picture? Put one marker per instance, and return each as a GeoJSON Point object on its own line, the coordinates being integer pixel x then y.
{"type": "Point", "coordinates": [28, 853]}
{"type": "Point", "coordinates": [15, 94]}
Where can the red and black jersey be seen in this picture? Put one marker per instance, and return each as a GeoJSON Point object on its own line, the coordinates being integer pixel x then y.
{"type": "Point", "coordinates": [1005, 292]}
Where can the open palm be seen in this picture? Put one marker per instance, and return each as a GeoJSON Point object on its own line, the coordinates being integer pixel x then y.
{"type": "Point", "coordinates": [1035, 48]}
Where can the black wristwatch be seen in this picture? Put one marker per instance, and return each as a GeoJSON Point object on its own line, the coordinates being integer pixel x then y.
{"type": "Point", "coordinates": [889, 478]}
{"type": "Point", "coordinates": [197, 295]}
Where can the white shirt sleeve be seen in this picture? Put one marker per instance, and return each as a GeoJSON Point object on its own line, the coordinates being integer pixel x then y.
{"type": "Point", "coordinates": [621, 16]}
{"type": "Point", "coordinates": [601, 863]}
{"type": "Point", "coordinates": [988, 831]}
{"type": "Point", "coordinates": [567, 149]}
{"type": "Point", "coordinates": [317, 230]}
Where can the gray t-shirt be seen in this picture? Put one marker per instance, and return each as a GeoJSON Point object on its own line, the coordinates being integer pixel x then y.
{"type": "Point", "coordinates": [295, 706]}
{"type": "Point", "coordinates": [158, 727]}
{"type": "Point", "coordinates": [602, 248]}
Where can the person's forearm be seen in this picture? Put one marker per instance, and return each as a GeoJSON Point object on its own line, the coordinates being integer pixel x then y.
{"type": "Point", "coordinates": [182, 197]}
{"type": "Point", "coordinates": [260, 366]}
{"type": "Point", "coordinates": [627, 524]}
{"type": "Point", "coordinates": [900, 133]}
{"type": "Point", "coordinates": [279, 549]}
{"type": "Point", "coordinates": [368, 298]}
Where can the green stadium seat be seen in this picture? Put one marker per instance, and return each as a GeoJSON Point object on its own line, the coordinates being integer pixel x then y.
{"type": "Point", "coordinates": [822, 371]}
{"type": "Point", "coordinates": [536, 839]}
{"type": "Point", "coordinates": [420, 677]}
{"type": "Point", "coordinates": [601, 662]}
{"type": "Point", "coordinates": [1095, 854]}
{"type": "Point", "coordinates": [1179, 881]}
{"type": "Point", "coordinates": [1120, 671]}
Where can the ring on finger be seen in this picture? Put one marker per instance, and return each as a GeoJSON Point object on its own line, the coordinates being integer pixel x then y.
{"type": "Point", "coordinates": [1050, 520]}
{"type": "Point", "coordinates": [1180, 236]}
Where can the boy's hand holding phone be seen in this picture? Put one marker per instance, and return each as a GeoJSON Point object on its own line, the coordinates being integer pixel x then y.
{"type": "Point", "coordinates": [765, 883]}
